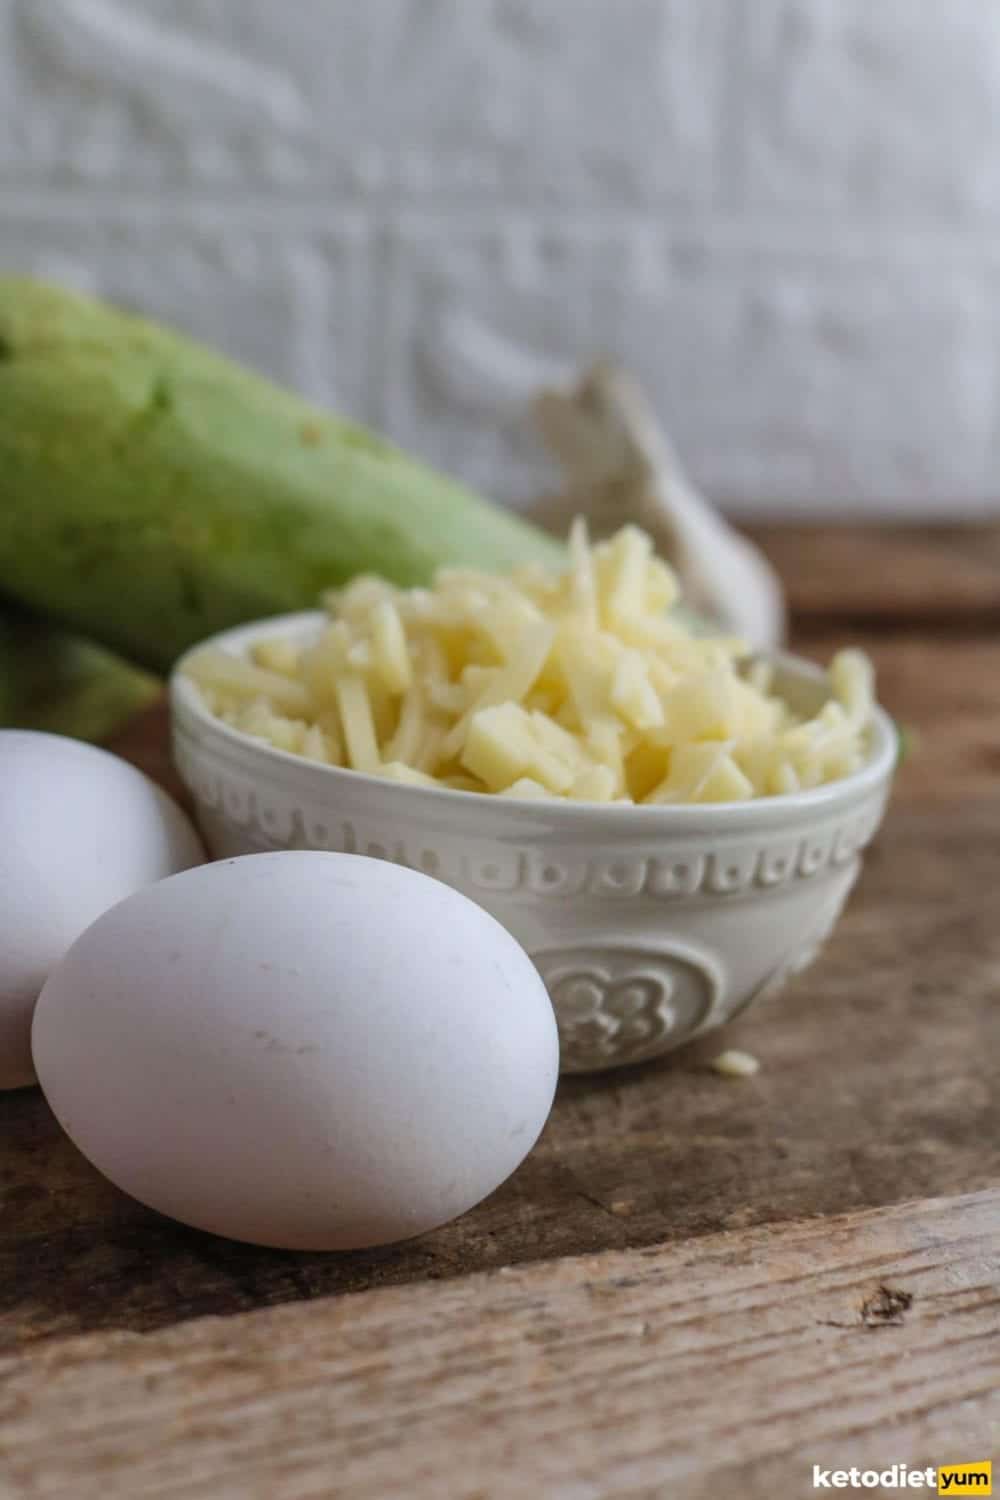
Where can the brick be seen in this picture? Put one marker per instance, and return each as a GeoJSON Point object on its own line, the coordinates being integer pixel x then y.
{"type": "Point", "coordinates": [475, 322]}
{"type": "Point", "coordinates": [583, 102]}
{"type": "Point", "coordinates": [295, 307]}
{"type": "Point", "coordinates": [201, 91]}
{"type": "Point", "coordinates": [882, 110]}
{"type": "Point", "coordinates": [822, 377]}
{"type": "Point", "coordinates": [831, 380]}
{"type": "Point", "coordinates": [589, 101]}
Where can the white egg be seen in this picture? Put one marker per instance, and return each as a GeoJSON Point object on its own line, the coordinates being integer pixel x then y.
{"type": "Point", "coordinates": [79, 830]}
{"type": "Point", "coordinates": [306, 1050]}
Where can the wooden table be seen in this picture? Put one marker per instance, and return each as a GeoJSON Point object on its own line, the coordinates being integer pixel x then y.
{"type": "Point", "coordinates": [695, 1285]}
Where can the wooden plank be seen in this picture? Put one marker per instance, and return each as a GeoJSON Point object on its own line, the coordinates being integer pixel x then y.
{"type": "Point", "coordinates": [878, 1083]}
{"type": "Point", "coordinates": [730, 1365]}
{"type": "Point", "coordinates": [931, 576]}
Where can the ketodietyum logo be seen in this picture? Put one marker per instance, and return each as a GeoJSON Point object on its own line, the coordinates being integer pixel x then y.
{"type": "Point", "coordinates": [946, 1479]}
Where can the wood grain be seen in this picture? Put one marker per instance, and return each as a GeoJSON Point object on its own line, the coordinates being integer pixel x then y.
{"type": "Point", "coordinates": [703, 1335]}
{"type": "Point", "coordinates": [728, 1365]}
{"type": "Point", "coordinates": [878, 1083]}
{"type": "Point", "coordinates": [943, 577]}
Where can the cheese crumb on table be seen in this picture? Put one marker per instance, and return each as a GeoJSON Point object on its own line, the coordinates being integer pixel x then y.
{"type": "Point", "coordinates": [735, 1064]}
{"type": "Point", "coordinates": [578, 685]}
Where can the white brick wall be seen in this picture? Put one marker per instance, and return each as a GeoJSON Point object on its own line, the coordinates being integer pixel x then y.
{"type": "Point", "coordinates": [782, 213]}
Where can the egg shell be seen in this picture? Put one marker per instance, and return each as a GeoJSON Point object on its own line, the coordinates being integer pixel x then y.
{"type": "Point", "coordinates": [79, 831]}
{"type": "Point", "coordinates": [300, 1049]}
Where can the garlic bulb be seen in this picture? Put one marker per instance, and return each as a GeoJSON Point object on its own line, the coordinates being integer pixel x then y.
{"type": "Point", "coordinates": [621, 467]}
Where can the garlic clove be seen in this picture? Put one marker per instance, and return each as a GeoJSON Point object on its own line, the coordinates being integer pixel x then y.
{"type": "Point", "coordinates": [621, 467]}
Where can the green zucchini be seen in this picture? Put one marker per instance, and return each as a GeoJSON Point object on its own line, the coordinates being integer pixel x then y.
{"type": "Point", "coordinates": [56, 682]}
{"type": "Point", "coordinates": [152, 492]}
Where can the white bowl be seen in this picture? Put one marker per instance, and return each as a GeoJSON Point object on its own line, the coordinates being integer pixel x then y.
{"type": "Point", "coordinates": [649, 925]}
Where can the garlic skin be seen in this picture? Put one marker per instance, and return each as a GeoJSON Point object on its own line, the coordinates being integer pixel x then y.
{"type": "Point", "coordinates": [621, 467]}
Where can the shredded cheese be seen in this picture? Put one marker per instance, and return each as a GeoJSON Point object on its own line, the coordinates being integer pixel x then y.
{"type": "Point", "coordinates": [576, 685]}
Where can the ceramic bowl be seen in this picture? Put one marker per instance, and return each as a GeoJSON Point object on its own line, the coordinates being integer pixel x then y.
{"type": "Point", "coordinates": [649, 925]}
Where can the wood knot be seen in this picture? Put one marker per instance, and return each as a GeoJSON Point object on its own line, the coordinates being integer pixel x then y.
{"type": "Point", "coordinates": [886, 1307]}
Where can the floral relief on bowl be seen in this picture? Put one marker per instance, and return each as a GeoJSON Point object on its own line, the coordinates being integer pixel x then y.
{"type": "Point", "coordinates": [627, 1004]}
